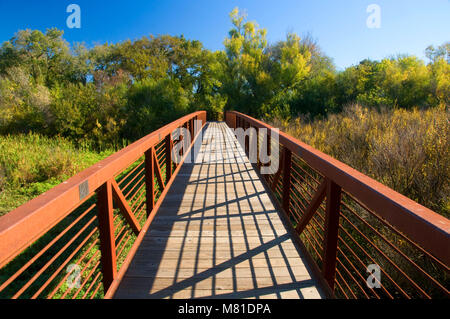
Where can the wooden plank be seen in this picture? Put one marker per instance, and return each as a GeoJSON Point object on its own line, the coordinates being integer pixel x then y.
{"type": "Point", "coordinates": [217, 254]}
{"type": "Point", "coordinates": [223, 287]}
{"type": "Point", "coordinates": [245, 219]}
{"type": "Point", "coordinates": [214, 227]}
{"type": "Point", "coordinates": [263, 261]}
{"type": "Point", "coordinates": [203, 233]}
{"type": "Point", "coordinates": [236, 241]}
{"type": "Point", "coordinates": [296, 273]}
{"type": "Point", "coordinates": [217, 234]}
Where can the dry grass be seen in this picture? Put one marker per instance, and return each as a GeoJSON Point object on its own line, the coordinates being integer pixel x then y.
{"type": "Point", "coordinates": [407, 150]}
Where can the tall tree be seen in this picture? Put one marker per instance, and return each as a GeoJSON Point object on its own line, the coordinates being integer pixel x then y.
{"type": "Point", "coordinates": [257, 77]}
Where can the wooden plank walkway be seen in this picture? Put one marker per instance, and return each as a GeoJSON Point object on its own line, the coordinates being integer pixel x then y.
{"type": "Point", "coordinates": [218, 235]}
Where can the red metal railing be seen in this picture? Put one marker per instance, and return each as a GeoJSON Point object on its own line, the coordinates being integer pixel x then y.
{"type": "Point", "coordinates": [82, 234]}
{"type": "Point", "coordinates": [347, 221]}
{"type": "Point", "coordinates": [95, 221]}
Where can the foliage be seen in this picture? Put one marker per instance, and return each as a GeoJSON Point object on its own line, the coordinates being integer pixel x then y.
{"type": "Point", "coordinates": [111, 94]}
{"type": "Point", "coordinates": [404, 81]}
{"type": "Point", "coordinates": [153, 103]}
{"type": "Point", "coordinates": [24, 106]}
{"type": "Point", "coordinates": [32, 164]}
{"type": "Point", "coordinates": [407, 150]}
{"type": "Point", "coordinates": [45, 57]}
{"type": "Point", "coordinates": [114, 93]}
{"type": "Point", "coordinates": [87, 112]}
{"type": "Point", "coordinates": [259, 78]}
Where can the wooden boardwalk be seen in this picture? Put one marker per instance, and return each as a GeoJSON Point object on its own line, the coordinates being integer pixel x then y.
{"type": "Point", "coordinates": [217, 234]}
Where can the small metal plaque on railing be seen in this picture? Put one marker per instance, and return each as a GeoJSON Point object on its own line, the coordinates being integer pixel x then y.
{"type": "Point", "coordinates": [83, 189]}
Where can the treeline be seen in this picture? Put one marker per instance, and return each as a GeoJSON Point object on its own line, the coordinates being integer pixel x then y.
{"type": "Point", "coordinates": [114, 93]}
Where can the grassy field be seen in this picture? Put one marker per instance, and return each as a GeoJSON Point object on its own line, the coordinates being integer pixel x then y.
{"type": "Point", "coordinates": [32, 164]}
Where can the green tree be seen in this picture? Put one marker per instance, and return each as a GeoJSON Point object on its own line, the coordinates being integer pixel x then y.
{"type": "Point", "coordinates": [45, 57]}
{"type": "Point", "coordinates": [259, 79]}
{"type": "Point", "coordinates": [24, 105]}
{"type": "Point", "coordinates": [439, 69]}
{"type": "Point", "coordinates": [404, 80]}
{"type": "Point", "coordinates": [441, 52]}
{"type": "Point", "coordinates": [316, 94]}
{"type": "Point", "coordinates": [152, 103]}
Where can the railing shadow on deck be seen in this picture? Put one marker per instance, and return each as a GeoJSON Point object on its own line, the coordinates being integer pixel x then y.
{"type": "Point", "coordinates": [363, 238]}
{"type": "Point", "coordinates": [194, 280]}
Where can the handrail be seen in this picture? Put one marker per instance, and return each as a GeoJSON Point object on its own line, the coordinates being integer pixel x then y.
{"type": "Point", "coordinates": [426, 227]}
{"type": "Point", "coordinates": [23, 226]}
{"type": "Point", "coordinates": [26, 223]}
{"type": "Point", "coordinates": [404, 217]}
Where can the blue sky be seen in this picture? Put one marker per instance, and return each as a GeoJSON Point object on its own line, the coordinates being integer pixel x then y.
{"type": "Point", "coordinates": [407, 26]}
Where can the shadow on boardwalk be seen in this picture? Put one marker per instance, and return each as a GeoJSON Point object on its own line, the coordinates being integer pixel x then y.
{"type": "Point", "coordinates": [217, 234]}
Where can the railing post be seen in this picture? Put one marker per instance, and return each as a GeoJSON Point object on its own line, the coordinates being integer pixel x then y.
{"type": "Point", "coordinates": [191, 129]}
{"type": "Point", "coordinates": [187, 124]}
{"type": "Point", "coordinates": [149, 181]}
{"type": "Point", "coordinates": [258, 163]}
{"type": "Point", "coordinates": [247, 140]}
{"type": "Point", "coordinates": [168, 157]}
{"type": "Point", "coordinates": [333, 195]}
{"type": "Point", "coordinates": [194, 127]}
{"type": "Point", "coordinates": [269, 150]}
{"type": "Point", "coordinates": [106, 228]}
{"type": "Point", "coordinates": [184, 140]}
{"type": "Point", "coordinates": [287, 160]}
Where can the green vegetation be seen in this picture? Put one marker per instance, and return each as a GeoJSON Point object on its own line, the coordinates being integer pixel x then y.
{"type": "Point", "coordinates": [32, 164]}
{"type": "Point", "coordinates": [111, 94]}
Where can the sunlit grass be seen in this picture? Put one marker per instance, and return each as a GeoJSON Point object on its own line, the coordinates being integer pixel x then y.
{"type": "Point", "coordinates": [32, 164]}
{"type": "Point", "coordinates": [407, 150]}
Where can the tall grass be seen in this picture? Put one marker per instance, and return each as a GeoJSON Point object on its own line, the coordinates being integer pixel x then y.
{"type": "Point", "coordinates": [32, 164]}
{"type": "Point", "coordinates": [407, 150]}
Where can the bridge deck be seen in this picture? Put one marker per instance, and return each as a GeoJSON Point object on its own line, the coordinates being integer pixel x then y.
{"type": "Point", "coordinates": [218, 235]}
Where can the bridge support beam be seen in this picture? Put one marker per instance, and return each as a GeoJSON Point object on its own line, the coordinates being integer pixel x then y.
{"type": "Point", "coordinates": [312, 207]}
{"type": "Point", "coordinates": [107, 240]}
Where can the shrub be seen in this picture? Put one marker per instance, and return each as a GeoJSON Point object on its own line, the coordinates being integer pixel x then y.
{"type": "Point", "coordinates": [407, 150]}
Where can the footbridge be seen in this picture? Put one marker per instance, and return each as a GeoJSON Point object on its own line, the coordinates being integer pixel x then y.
{"type": "Point", "coordinates": [232, 209]}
